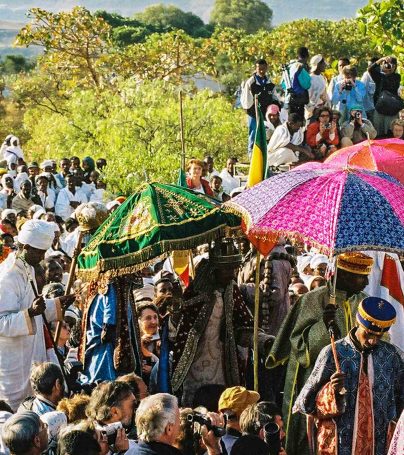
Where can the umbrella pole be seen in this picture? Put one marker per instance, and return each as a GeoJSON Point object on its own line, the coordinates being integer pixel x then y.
{"type": "Point", "coordinates": [256, 319]}
{"type": "Point", "coordinates": [333, 301]}
{"type": "Point", "coordinates": [69, 285]}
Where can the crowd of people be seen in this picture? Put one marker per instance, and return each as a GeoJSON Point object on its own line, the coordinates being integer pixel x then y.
{"type": "Point", "coordinates": [146, 363]}
{"type": "Point", "coordinates": [310, 118]}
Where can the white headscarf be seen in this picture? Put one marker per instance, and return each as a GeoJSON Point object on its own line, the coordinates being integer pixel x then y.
{"type": "Point", "coordinates": [37, 233]}
{"type": "Point", "coordinates": [3, 180]}
{"type": "Point", "coordinates": [318, 259]}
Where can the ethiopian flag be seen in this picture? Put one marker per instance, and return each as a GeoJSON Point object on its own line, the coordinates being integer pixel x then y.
{"type": "Point", "coordinates": [258, 165]}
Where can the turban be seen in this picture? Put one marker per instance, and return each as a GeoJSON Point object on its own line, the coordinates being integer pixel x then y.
{"type": "Point", "coordinates": [355, 262]}
{"type": "Point", "coordinates": [303, 262]}
{"type": "Point", "coordinates": [376, 315]}
{"type": "Point", "coordinates": [46, 163]}
{"type": "Point", "coordinates": [6, 212]}
{"type": "Point", "coordinates": [38, 213]}
{"type": "Point", "coordinates": [318, 259]}
{"type": "Point", "coordinates": [37, 233]}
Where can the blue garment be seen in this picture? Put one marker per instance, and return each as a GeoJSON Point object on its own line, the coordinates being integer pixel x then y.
{"type": "Point", "coordinates": [344, 100]}
{"type": "Point", "coordinates": [370, 86]}
{"type": "Point", "coordinates": [99, 357]}
{"type": "Point", "coordinates": [388, 389]}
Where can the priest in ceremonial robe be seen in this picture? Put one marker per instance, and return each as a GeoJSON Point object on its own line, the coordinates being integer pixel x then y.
{"type": "Point", "coordinates": [22, 339]}
{"type": "Point", "coordinates": [356, 408]}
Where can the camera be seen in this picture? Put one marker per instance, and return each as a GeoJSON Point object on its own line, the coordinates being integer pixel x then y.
{"type": "Point", "coordinates": [348, 85]}
{"type": "Point", "coordinates": [272, 436]}
{"type": "Point", "coordinates": [387, 65]}
{"type": "Point", "coordinates": [110, 431]}
{"type": "Point", "coordinates": [357, 115]}
{"type": "Point", "coordinates": [203, 420]}
{"type": "Point", "coordinates": [327, 126]}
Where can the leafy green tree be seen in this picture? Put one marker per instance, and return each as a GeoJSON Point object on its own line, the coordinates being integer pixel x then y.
{"type": "Point", "coordinates": [137, 130]}
{"type": "Point", "coordinates": [165, 18]}
{"type": "Point", "coordinates": [76, 44]}
{"type": "Point", "coordinates": [382, 23]}
{"type": "Point", "coordinates": [248, 15]}
{"type": "Point", "coordinates": [13, 64]}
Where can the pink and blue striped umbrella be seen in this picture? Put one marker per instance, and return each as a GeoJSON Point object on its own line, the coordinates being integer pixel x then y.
{"type": "Point", "coordinates": [331, 208]}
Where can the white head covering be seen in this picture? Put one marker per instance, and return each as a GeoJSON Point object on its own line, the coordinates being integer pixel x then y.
{"type": "Point", "coordinates": [6, 212]}
{"type": "Point", "coordinates": [38, 213]}
{"type": "Point", "coordinates": [3, 179]}
{"type": "Point", "coordinates": [19, 179]}
{"type": "Point", "coordinates": [303, 262]}
{"type": "Point", "coordinates": [309, 282]}
{"type": "Point", "coordinates": [46, 163]}
{"type": "Point", "coordinates": [37, 233]}
{"type": "Point", "coordinates": [318, 259]}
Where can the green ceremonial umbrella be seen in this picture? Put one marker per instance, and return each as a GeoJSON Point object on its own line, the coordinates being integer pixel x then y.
{"type": "Point", "coordinates": [155, 220]}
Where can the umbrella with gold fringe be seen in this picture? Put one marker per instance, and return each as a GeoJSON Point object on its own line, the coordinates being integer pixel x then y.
{"type": "Point", "coordinates": [157, 219]}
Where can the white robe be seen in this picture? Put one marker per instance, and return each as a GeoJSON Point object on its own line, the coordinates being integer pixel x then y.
{"type": "Point", "coordinates": [278, 153]}
{"type": "Point", "coordinates": [229, 182]}
{"type": "Point", "coordinates": [21, 338]}
{"type": "Point", "coordinates": [63, 207]}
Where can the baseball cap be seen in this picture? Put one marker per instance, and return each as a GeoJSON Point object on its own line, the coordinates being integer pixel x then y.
{"type": "Point", "coordinates": [237, 399]}
{"type": "Point", "coordinates": [315, 60]}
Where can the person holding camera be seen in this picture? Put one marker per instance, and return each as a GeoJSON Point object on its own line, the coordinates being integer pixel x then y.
{"type": "Point", "coordinates": [264, 420]}
{"type": "Point", "coordinates": [348, 92]}
{"type": "Point", "coordinates": [357, 128]}
{"type": "Point", "coordinates": [387, 101]}
{"type": "Point", "coordinates": [322, 134]}
{"type": "Point", "coordinates": [111, 409]}
{"type": "Point", "coordinates": [232, 403]}
{"type": "Point", "coordinates": [158, 424]}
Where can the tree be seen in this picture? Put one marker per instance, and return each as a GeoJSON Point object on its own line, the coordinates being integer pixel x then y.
{"type": "Point", "coordinates": [382, 23]}
{"type": "Point", "coordinates": [137, 131]}
{"type": "Point", "coordinates": [248, 15]}
{"type": "Point", "coordinates": [165, 18]}
{"type": "Point", "coordinates": [76, 44]}
{"type": "Point", "coordinates": [13, 64]}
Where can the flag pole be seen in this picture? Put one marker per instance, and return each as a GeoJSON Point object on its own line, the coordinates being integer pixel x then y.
{"type": "Point", "coordinates": [256, 319]}
{"type": "Point", "coordinates": [182, 133]}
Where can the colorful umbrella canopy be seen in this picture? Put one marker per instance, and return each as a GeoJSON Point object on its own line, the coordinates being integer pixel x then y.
{"type": "Point", "coordinates": [153, 221]}
{"type": "Point", "coordinates": [334, 209]}
{"type": "Point", "coordinates": [386, 155]}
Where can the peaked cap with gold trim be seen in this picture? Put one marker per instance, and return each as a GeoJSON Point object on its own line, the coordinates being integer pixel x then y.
{"type": "Point", "coordinates": [376, 315]}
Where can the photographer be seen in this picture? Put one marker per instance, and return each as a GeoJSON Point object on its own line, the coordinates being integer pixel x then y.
{"type": "Point", "coordinates": [348, 92]}
{"type": "Point", "coordinates": [232, 403]}
{"type": "Point", "coordinates": [387, 102]}
{"type": "Point", "coordinates": [158, 424]}
{"type": "Point", "coordinates": [48, 385]}
{"type": "Point", "coordinates": [322, 134]}
{"type": "Point", "coordinates": [264, 420]}
{"type": "Point", "coordinates": [111, 409]}
{"type": "Point", "coordinates": [357, 128]}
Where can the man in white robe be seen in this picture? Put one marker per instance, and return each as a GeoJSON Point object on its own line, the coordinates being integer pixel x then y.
{"type": "Point", "coordinates": [69, 198]}
{"type": "Point", "coordinates": [285, 146]}
{"type": "Point", "coordinates": [22, 339]}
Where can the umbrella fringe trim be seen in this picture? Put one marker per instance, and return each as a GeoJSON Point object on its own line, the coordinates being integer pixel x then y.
{"type": "Point", "coordinates": [267, 234]}
{"type": "Point", "coordinates": [125, 265]}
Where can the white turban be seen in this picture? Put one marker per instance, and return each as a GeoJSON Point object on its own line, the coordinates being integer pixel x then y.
{"type": "Point", "coordinates": [37, 233]}
{"type": "Point", "coordinates": [38, 213]}
{"type": "Point", "coordinates": [6, 212]}
{"type": "Point", "coordinates": [303, 262]}
{"type": "Point", "coordinates": [317, 260]}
